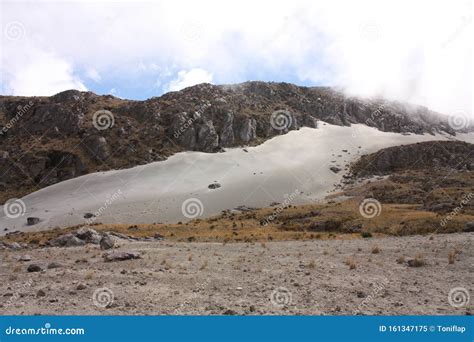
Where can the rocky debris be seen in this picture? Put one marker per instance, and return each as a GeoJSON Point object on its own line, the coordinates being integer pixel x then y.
{"type": "Point", "coordinates": [335, 169]}
{"type": "Point", "coordinates": [13, 246]}
{"type": "Point", "coordinates": [88, 235]}
{"type": "Point", "coordinates": [120, 256]}
{"type": "Point", "coordinates": [214, 186]}
{"type": "Point", "coordinates": [67, 240]}
{"type": "Point", "coordinates": [158, 236]}
{"type": "Point", "coordinates": [34, 268]}
{"type": "Point", "coordinates": [54, 264]}
{"type": "Point", "coordinates": [25, 257]}
{"type": "Point", "coordinates": [469, 227]}
{"type": "Point", "coordinates": [31, 221]}
{"type": "Point", "coordinates": [107, 242]}
{"type": "Point", "coordinates": [40, 293]}
{"type": "Point", "coordinates": [88, 215]}
{"type": "Point", "coordinates": [81, 287]}
{"type": "Point", "coordinates": [79, 238]}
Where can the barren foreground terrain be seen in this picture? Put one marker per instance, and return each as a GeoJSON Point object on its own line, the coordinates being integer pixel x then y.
{"type": "Point", "coordinates": [338, 277]}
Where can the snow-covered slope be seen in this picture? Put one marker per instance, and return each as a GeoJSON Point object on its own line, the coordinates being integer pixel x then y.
{"type": "Point", "coordinates": [294, 166]}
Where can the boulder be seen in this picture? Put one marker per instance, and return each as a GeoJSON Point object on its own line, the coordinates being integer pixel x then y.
{"type": "Point", "coordinates": [88, 235]}
{"type": "Point", "coordinates": [227, 134]}
{"type": "Point", "coordinates": [214, 186]}
{"type": "Point", "coordinates": [98, 147]}
{"type": "Point", "coordinates": [34, 268]}
{"type": "Point", "coordinates": [31, 221]}
{"type": "Point", "coordinates": [248, 130]}
{"type": "Point", "coordinates": [107, 242]}
{"type": "Point", "coordinates": [469, 227]}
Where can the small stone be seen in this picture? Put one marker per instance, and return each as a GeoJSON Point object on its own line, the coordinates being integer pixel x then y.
{"type": "Point", "coordinates": [40, 293]}
{"type": "Point", "coordinates": [31, 221]}
{"type": "Point", "coordinates": [214, 186]}
{"type": "Point", "coordinates": [88, 215]}
{"type": "Point", "coordinates": [107, 242]}
{"type": "Point", "coordinates": [120, 256]}
{"type": "Point", "coordinates": [81, 287]}
{"type": "Point", "coordinates": [34, 268]}
{"type": "Point", "coordinates": [54, 265]}
{"type": "Point", "coordinates": [25, 258]}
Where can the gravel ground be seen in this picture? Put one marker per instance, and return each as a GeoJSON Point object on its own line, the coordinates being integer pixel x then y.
{"type": "Point", "coordinates": [311, 277]}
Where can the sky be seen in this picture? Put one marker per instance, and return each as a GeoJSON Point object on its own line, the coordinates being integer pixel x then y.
{"type": "Point", "coordinates": [415, 51]}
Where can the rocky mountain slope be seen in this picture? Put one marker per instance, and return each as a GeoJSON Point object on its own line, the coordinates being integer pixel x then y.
{"type": "Point", "coordinates": [44, 140]}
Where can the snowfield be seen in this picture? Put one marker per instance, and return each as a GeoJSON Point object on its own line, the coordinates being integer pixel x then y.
{"type": "Point", "coordinates": [294, 167]}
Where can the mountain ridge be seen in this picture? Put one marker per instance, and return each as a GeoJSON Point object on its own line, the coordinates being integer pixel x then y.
{"type": "Point", "coordinates": [45, 140]}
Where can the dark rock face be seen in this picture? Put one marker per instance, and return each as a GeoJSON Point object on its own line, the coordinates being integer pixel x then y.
{"type": "Point", "coordinates": [433, 154]}
{"type": "Point", "coordinates": [57, 140]}
{"type": "Point", "coordinates": [469, 227]}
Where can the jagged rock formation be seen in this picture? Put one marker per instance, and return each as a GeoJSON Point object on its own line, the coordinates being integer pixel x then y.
{"type": "Point", "coordinates": [456, 155]}
{"type": "Point", "coordinates": [44, 140]}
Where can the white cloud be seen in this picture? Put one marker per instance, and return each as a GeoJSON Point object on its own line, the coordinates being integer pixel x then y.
{"type": "Point", "coordinates": [189, 78]}
{"type": "Point", "coordinates": [93, 75]}
{"type": "Point", "coordinates": [41, 73]}
{"type": "Point", "coordinates": [415, 51]}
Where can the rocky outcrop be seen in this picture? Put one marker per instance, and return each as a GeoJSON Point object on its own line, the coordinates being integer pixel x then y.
{"type": "Point", "coordinates": [45, 140]}
{"type": "Point", "coordinates": [426, 155]}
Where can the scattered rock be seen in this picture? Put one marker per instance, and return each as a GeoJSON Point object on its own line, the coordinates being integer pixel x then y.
{"type": "Point", "coordinates": [88, 235]}
{"type": "Point", "coordinates": [25, 257]}
{"type": "Point", "coordinates": [120, 256]}
{"type": "Point", "coordinates": [214, 186]}
{"type": "Point", "coordinates": [88, 215]}
{"type": "Point", "coordinates": [31, 221]}
{"type": "Point", "coordinates": [67, 240]}
{"type": "Point", "coordinates": [54, 264]}
{"type": "Point", "coordinates": [469, 227]}
{"type": "Point", "coordinates": [40, 293]}
{"type": "Point", "coordinates": [335, 169]}
{"type": "Point", "coordinates": [34, 268]}
{"type": "Point", "coordinates": [81, 287]}
{"type": "Point", "coordinates": [107, 242]}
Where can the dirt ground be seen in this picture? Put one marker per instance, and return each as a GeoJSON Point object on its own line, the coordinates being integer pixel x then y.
{"type": "Point", "coordinates": [321, 277]}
